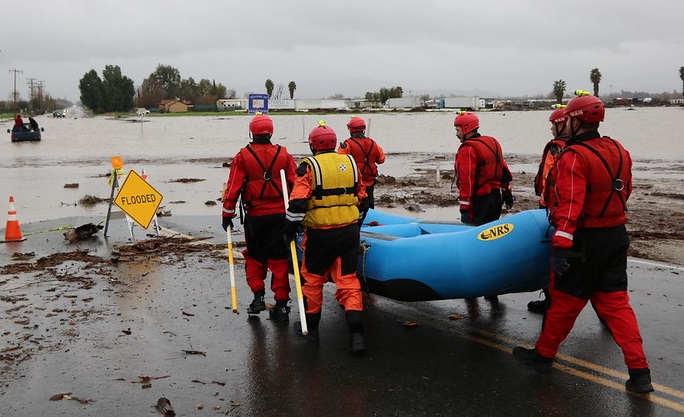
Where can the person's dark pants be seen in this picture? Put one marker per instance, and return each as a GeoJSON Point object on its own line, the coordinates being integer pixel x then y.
{"type": "Point", "coordinates": [487, 208]}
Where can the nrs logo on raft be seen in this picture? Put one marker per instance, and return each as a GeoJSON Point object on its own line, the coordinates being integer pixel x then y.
{"type": "Point", "coordinates": [495, 232]}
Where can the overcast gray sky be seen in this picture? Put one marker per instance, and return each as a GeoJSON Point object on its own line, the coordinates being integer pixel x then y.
{"type": "Point", "coordinates": [486, 47]}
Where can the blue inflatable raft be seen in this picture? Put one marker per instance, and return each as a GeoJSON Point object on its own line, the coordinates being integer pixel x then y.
{"type": "Point", "coordinates": [409, 259]}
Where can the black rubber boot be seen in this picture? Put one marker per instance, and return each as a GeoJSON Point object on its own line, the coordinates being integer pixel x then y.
{"type": "Point", "coordinates": [355, 322]}
{"type": "Point", "coordinates": [312, 320]}
{"type": "Point", "coordinates": [540, 306]}
{"type": "Point", "coordinates": [258, 304]}
{"type": "Point", "coordinates": [281, 312]}
{"type": "Point", "coordinates": [532, 358]}
{"type": "Point", "coordinates": [639, 381]}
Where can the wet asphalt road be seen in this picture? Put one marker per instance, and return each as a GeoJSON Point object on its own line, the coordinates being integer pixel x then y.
{"type": "Point", "coordinates": [146, 317]}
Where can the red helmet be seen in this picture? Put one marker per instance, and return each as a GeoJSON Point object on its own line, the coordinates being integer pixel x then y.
{"type": "Point", "coordinates": [261, 125]}
{"type": "Point", "coordinates": [322, 137]}
{"type": "Point", "coordinates": [356, 124]}
{"type": "Point", "coordinates": [588, 109]}
{"type": "Point", "coordinates": [467, 121]}
{"type": "Point", "coordinates": [558, 115]}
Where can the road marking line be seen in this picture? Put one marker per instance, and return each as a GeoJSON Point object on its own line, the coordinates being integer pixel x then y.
{"type": "Point", "coordinates": [652, 263]}
{"type": "Point", "coordinates": [448, 326]}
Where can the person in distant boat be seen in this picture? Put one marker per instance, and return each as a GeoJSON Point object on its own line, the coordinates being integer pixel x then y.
{"type": "Point", "coordinates": [591, 183]}
{"type": "Point", "coordinates": [482, 175]}
{"type": "Point", "coordinates": [559, 131]}
{"type": "Point", "coordinates": [367, 154]}
{"type": "Point", "coordinates": [255, 176]}
{"type": "Point", "coordinates": [34, 124]}
{"type": "Point", "coordinates": [326, 200]}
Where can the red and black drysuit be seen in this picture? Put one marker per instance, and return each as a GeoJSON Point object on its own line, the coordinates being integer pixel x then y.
{"type": "Point", "coordinates": [548, 160]}
{"type": "Point", "coordinates": [255, 176]}
{"type": "Point", "coordinates": [590, 185]}
{"type": "Point", "coordinates": [367, 154]}
{"type": "Point", "coordinates": [481, 173]}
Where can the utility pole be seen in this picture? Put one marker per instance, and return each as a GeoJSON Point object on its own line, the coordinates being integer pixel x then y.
{"type": "Point", "coordinates": [40, 96]}
{"type": "Point", "coordinates": [15, 94]}
{"type": "Point", "coordinates": [31, 82]}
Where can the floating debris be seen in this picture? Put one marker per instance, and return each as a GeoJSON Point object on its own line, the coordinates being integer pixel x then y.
{"type": "Point", "coordinates": [82, 232]}
{"type": "Point", "coordinates": [194, 352]}
{"type": "Point", "coordinates": [22, 256]}
{"type": "Point", "coordinates": [90, 200]}
{"type": "Point", "coordinates": [164, 407]}
{"type": "Point", "coordinates": [187, 180]}
{"type": "Point", "coordinates": [68, 396]}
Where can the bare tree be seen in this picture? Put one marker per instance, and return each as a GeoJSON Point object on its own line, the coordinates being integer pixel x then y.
{"type": "Point", "coordinates": [279, 91]}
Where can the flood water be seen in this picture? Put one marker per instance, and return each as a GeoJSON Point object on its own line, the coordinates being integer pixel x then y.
{"type": "Point", "coordinates": [77, 150]}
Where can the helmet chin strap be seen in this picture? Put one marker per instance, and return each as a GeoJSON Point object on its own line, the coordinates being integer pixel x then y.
{"type": "Point", "coordinates": [573, 132]}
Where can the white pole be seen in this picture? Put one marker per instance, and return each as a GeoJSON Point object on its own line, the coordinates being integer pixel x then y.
{"type": "Point", "coordinates": [295, 263]}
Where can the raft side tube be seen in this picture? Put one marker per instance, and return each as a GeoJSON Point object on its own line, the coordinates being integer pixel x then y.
{"type": "Point", "coordinates": [505, 256]}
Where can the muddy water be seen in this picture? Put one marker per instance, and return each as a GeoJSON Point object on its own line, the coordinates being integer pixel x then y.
{"type": "Point", "coordinates": [77, 150]}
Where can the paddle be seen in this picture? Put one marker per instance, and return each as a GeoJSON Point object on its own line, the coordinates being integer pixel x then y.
{"type": "Point", "coordinates": [231, 261]}
{"type": "Point", "coordinates": [295, 263]}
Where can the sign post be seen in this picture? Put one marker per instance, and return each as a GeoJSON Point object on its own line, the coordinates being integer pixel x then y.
{"type": "Point", "coordinates": [117, 165]}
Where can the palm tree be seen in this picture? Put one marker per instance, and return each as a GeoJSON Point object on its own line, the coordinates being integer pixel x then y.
{"type": "Point", "coordinates": [292, 87]}
{"type": "Point", "coordinates": [559, 90]}
{"type": "Point", "coordinates": [681, 75]}
{"type": "Point", "coordinates": [595, 78]}
{"type": "Point", "coordinates": [269, 87]}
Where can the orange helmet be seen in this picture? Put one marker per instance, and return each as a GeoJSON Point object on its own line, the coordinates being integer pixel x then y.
{"type": "Point", "coordinates": [261, 125]}
{"type": "Point", "coordinates": [467, 121]}
{"type": "Point", "coordinates": [322, 137]}
{"type": "Point", "coordinates": [588, 109]}
{"type": "Point", "coordinates": [356, 124]}
{"type": "Point", "coordinates": [558, 115]}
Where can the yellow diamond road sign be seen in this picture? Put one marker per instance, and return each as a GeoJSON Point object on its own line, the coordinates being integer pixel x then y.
{"type": "Point", "coordinates": [138, 199]}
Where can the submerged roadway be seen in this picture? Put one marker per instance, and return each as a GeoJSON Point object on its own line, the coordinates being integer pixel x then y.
{"type": "Point", "coordinates": [169, 320]}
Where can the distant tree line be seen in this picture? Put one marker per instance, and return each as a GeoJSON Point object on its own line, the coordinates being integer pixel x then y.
{"type": "Point", "coordinates": [384, 94]}
{"type": "Point", "coordinates": [115, 92]}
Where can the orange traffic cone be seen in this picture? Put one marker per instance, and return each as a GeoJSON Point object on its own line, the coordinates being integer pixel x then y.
{"type": "Point", "coordinates": [13, 230]}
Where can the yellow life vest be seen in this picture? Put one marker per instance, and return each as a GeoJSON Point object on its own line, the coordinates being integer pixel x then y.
{"type": "Point", "coordinates": [333, 199]}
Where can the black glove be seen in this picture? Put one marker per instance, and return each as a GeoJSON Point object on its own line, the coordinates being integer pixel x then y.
{"type": "Point", "coordinates": [507, 197]}
{"type": "Point", "coordinates": [363, 207]}
{"type": "Point", "coordinates": [465, 217]}
{"type": "Point", "coordinates": [559, 264]}
{"type": "Point", "coordinates": [559, 260]}
{"type": "Point", "coordinates": [291, 231]}
{"type": "Point", "coordinates": [226, 222]}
